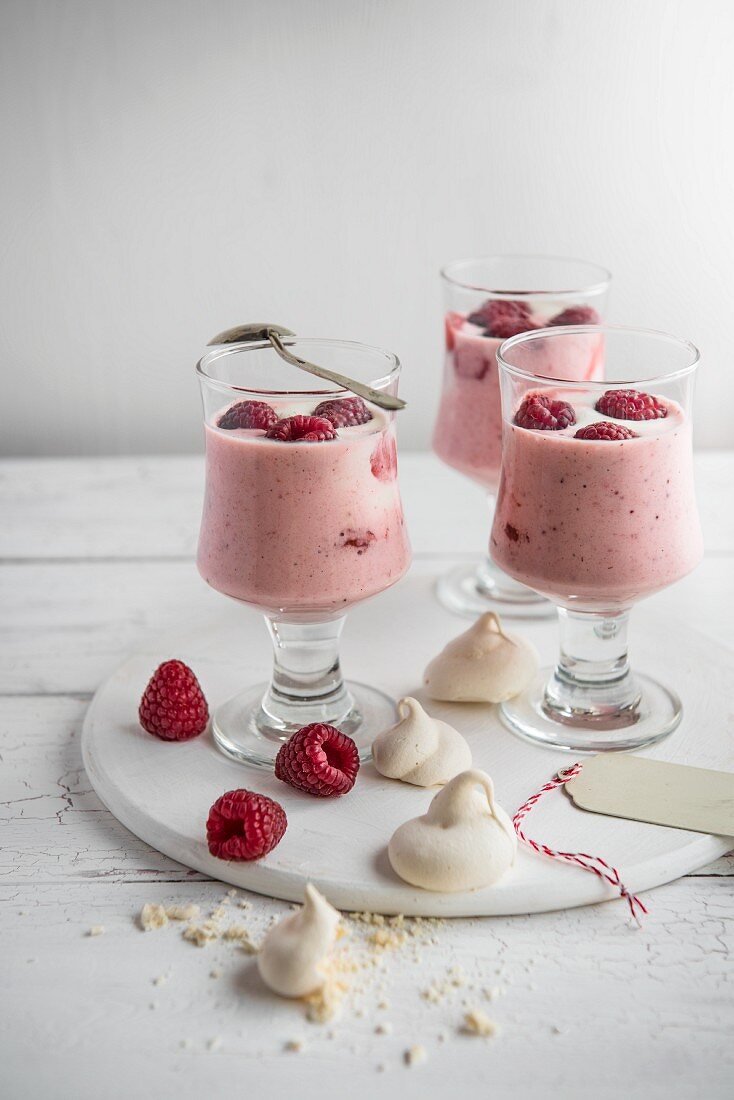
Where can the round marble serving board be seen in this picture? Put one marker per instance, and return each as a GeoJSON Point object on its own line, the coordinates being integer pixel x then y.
{"type": "Point", "coordinates": [162, 791]}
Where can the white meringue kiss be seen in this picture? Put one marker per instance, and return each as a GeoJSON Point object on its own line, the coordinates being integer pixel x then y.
{"type": "Point", "coordinates": [464, 842]}
{"type": "Point", "coordinates": [482, 665]}
{"type": "Point", "coordinates": [291, 958]}
{"type": "Point", "coordinates": [420, 749]}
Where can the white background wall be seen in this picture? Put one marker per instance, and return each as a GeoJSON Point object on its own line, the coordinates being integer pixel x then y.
{"type": "Point", "coordinates": [172, 167]}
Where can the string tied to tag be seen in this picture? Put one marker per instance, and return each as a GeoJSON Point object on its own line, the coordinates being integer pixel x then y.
{"type": "Point", "coordinates": [595, 864]}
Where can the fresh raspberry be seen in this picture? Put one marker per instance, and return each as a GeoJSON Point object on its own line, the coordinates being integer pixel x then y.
{"type": "Point", "coordinates": [575, 315]}
{"type": "Point", "coordinates": [604, 430]}
{"type": "Point", "coordinates": [244, 825]}
{"type": "Point", "coordinates": [631, 405]}
{"type": "Point", "coordinates": [173, 706]}
{"type": "Point", "coordinates": [318, 760]}
{"type": "Point", "coordinates": [500, 314]}
{"type": "Point", "coordinates": [309, 429]}
{"type": "Point", "coordinates": [345, 412]}
{"type": "Point", "coordinates": [543, 414]}
{"type": "Point", "coordinates": [384, 459]}
{"type": "Point", "coordinates": [249, 414]}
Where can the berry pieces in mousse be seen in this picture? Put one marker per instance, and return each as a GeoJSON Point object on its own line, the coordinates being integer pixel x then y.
{"type": "Point", "coordinates": [249, 414]}
{"type": "Point", "coordinates": [344, 412]}
{"type": "Point", "coordinates": [544, 414]}
{"type": "Point", "coordinates": [384, 459]}
{"type": "Point", "coordinates": [173, 706]}
{"type": "Point", "coordinates": [575, 315]}
{"type": "Point", "coordinates": [243, 825]}
{"type": "Point", "coordinates": [319, 760]}
{"type": "Point", "coordinates": [604, 430]}
{"type": "Point", "coordinates": [306, 429]}
{"type": "Point", "coordinates": [631, 405]}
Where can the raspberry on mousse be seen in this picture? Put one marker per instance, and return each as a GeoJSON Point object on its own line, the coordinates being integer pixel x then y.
{"type": "Point", "coordinates": [344, 412]}
{"type": "Point", "coordinates": [248, 414]}
{"type": "Point", "coordinates": [544, 414]}
{"type": "Point", "coordinates": [575, 315]}
{"type": "Point", "coordinates": [502, 318]}
{"type": "Point", "coordinates": [244, 825]}
{"type": "Point", "coordinates": [307, 429]}
{"type": "Point", "coordinates": [320, 760]}
{"type": "Point", "coordinates": [604, 430]}
{"type": "Point", "coordinates": [631, 405]}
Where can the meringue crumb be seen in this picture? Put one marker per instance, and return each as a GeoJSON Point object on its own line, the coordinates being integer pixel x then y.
{"type": "Point", "coordinates": [161, 979]}
{"type": "Point", "coordinates": [295, 1046]}
{"type": "Point", "coordinates": [380, 1068]}
{"type": "Point", "coordinates": [384, 1029]}
{"type": "Point", "coordinates": [383, 937]}
{"type": "Point", "coordinates": [182, 912]}
{"type": "Point", "coordinates": [214, 1044]}
{"type": "Point", "coordinates": [215, 973]}
{"type": "Point", "coordinates": [185, 1044]}
{"type": "Point", "coordinates": [382, 1005]}
{"type": "Point", "coordinates": [240, 933]}
{"type": "Point", "coordinates": [96, 930]}
{"type": "Point", "coordinates": [477, 1022]}
{"type": "Point", "coordinates": [441, 1037]}
{"type": "Point", "coordinates": [325, 1004]}
{"type": "Point", "coordinates": [201, 934]}
{"type": "Point", "coordinates": [232, 893]}
{"type": "Point", "coordinates": [153, 917]}
{"type": "Point", "coordinates": [244, 904]}
{"type": "Point", "coordinates": [556, 1030]}
{"type": "Point", "coordinates": [218, 913]}
{"type": "Point", "coordinates": [415, 1055]}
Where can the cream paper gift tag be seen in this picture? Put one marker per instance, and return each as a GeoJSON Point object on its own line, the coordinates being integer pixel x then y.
{"type": "Point", "coordinates": [656, 792]}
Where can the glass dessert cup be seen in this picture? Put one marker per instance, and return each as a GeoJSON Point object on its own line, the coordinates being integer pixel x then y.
{"type": "Point", "coordinates": [486, 301]}
{"type": "Point", "coordinates": [301, 530]}
{"type": "Point", "coordinates": [595, 523]}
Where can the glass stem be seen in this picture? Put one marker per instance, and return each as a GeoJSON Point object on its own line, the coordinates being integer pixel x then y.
{"type": "Point", "coordinates": [592, 680]}
{"type": "Point", "coordinates": [307, 684]}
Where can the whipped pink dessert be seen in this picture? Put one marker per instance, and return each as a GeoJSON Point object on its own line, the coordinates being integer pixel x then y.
{"type": "Point", "coordinates": [468, 432]}
{"type": "Point", "coordinates": [302, 512]}
{"type": "Point", "coordinates": [596, 505]}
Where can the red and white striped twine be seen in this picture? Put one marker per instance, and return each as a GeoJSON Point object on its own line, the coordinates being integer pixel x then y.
{"type": "Point", "coordinates": [589, 863]}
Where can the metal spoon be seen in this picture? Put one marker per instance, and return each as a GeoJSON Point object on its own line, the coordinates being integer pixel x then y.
{"type": "Point", "coordinates": [247, 334]}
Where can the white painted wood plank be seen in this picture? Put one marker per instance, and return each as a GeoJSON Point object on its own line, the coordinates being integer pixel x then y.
{"type": "Point", "coordinates": [66, 626]}
{"type": "Point", "coordinates": [150, 507]}
{"type": "Point", "coordinates": [643, 1014]}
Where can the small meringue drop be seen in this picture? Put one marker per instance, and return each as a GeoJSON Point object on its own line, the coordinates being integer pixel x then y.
{"type": "Point", "coordinates": [291, 957]}
{"type": "Point", "coordinates": [482, 665]}
{"type": "Point", "coordinates": [465, 840]}
{"type": "Point", "coordinates": [420, 749]}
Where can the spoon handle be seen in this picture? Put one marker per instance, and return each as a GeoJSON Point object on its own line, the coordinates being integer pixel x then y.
{"type": "Point", "coordinates": [274, 333]}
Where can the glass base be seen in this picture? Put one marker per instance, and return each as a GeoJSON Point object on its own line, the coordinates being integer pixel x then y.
{"type": "Point", "coordinates": [245, 730]}
{"type": "Point", "coordinates": [655, 713]}
{"type": "Point", "coordinates": [470, 590]}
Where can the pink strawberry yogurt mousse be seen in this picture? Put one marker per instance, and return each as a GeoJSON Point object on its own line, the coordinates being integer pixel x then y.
{"type": "Point", "coordinates": [468, 432]}
{"type": "Point", "coordinates": [598, 523]}
{"type": "Point", "coordinates": [304, 529]}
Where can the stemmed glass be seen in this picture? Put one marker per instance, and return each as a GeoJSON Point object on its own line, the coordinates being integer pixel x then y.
{"type": "Point", "coordinates": [596, 510]}
{"type": "Point", "coordinates": [486, 301]}
{"type": "Point", "coordinates": [301, 528]}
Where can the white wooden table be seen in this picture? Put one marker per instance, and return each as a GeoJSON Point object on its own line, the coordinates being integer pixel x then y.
{"type": "Point", "coordinates": [96, 556]}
